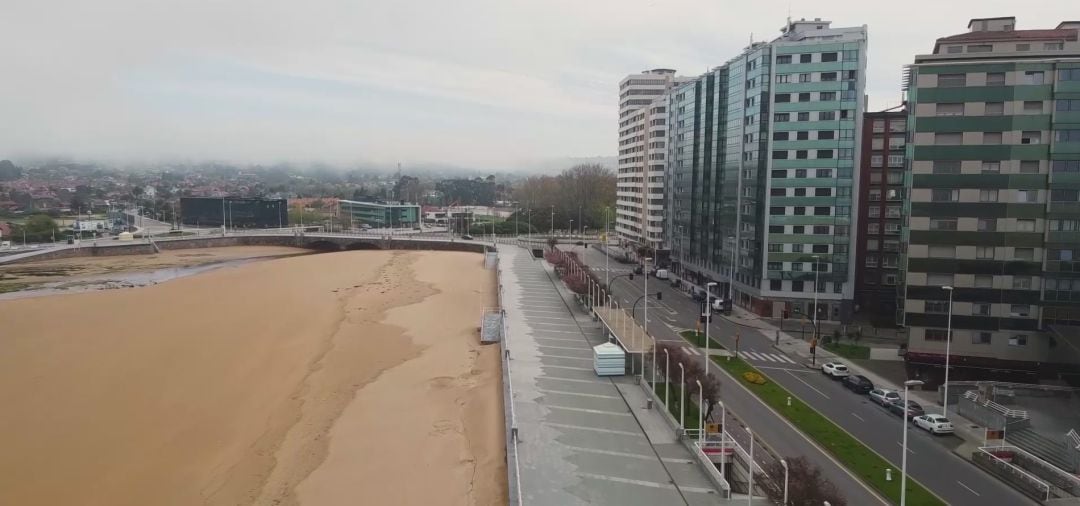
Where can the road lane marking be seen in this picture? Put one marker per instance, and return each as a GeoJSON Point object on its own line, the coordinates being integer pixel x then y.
{"type": "Point", "coordinates": [772, 368]}
{"type": "Point", "coordinates": [859, 417]}
{"type": "Point", "coordinates": [564, 348]}
{"type": "Point", "coordinates": [609, 452]}
{"type": "Point", "coordinates": [809, 385]}
{"type": "Point", "coordinates": [968, 488]}
{"type": "Point", "coordinates": [587, 359]}
{"type": "Point", "coordinates": [901, 445]}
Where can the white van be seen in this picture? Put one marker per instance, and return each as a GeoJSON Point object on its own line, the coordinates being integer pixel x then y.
{"type": "Point", "coordinates": [662, 274]}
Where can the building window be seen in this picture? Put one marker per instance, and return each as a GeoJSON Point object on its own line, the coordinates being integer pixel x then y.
{"type": "Point", "coordinates": [823, 135]}
{"type": "Point", "coordinates": [804, 116]}
{"type": "Point", "coordinates": [946, 109]}
{"type": "Point", "coordinates": [1053, 46]}
{"type": "Point", "coordinates": [896, 160]}
{"type": "Point", "coordinates": [783, 78]}
{"type": "Point", "coordinates": [995, 79]}
{"type": "Point", "coordinates": [876, 160]}
{"type": "Point", "coordinates": [981, 337]}
{"type": "Point", "coordinates": [936, 334]}
{"type": "Point", "coordinates": [783, 59]}
{"type": "Point", "coordinates": [943, 223]}
{"type": "Point", "coordinates": [944, 195]}
{"type": "Point", "coordinates": [851, 55]}
{"type": "Point", "coordinates": [804, 97]}
{"type": "Point", "coordinates": [1024, 253]}
{"type": "Point", "coordinates": [1069, 75]}
{"type": "Point", "coordinates": [984, 281]}
{"type": "Point", "coordinates": [1029, 167]}
{"type": "Point", "coordinates": [952, 80]}
{"type": "Point", "coordinates": [984, 252]}
{"type": "Point", "coordinates": [1021, 282]}
{"type": "Point", "coordinates": [828, 76]}
{"type": "Point", "coordinates": [776, 248]}
{"type": "Point", "coordinates": [936, 306]}
{"type": "Point", "coordinates": [981, 309]}
{"type": "Point", "coordinates": [777, 210]}
{"type": "Point", "coordinates": [946, 167]}
{"type": "Point", "coordinates": [954, 49]}
{"type": "Point", "coordinates": [782, 98]}
{"type": "Point", "coordinates": [827, 96]}
{"type": "Point", "coordinates": [1033, 106]}
{"type": "Point", "coordinates": [987, 224]}
{"type": "Point", "coordinates": [1032, 77]}
{"type": "Point", "coordinates": [776, 266]}
{"type": "Point", "coordinates": [1025, 225]}
{"type": "Point", "coordinates": [991, 138]}
{"type": "Point", "coordinates": [935, 279]}
{"type": "Point", "coordinates": [948, 138]}
{"type": "Point", "coordinates": [872, 245]}
{"type": "Point", "coordinates": [827, 57]}
{"type": "Point", "coordinates": [824, 153]}
{"type": "Point", "coordinates": [1018, 340]}
{"type": "Point", "coordinates": [940, 251]}
{"type": "Point", "coordinates": [1020, 310]}
{"type": "Point", "coordinates": [804, 77]}
{"type": "Point", "coordinates": [796, 286]}
{"type": "Point", "coordinates": [776, 284]}
{"type": "Point", "coordinates": [801, 154]}
{"type": "Point", "coordinates": [1067, 135]}
{"type": "Point", "coordinates": [780, 155]}
{"type": "Point", "coordinates": [871, 261]}
{"type": "Point", "coordinates": [991, 167]}
{"type": "Point", "coordinates": [1023, 47]}
{"type": "Point", "coordinates": [805, 58]}
{"type": "Point", "coordinates": [1031, 137]}
{"type": "Point", "coordinates": [994, 109]}
{"type": "Point", "coordinates": [823, 172]}
{"type": "Point", "coordinates": [826, 116]}
{"type": "Point", "coordinates": [980, 48]}
{"type": "Point", "coordinates": [988, 195]}
{"type": "Point", "coordinates": [1027, 196]}
{"type": "Point", "coordinates": [874, 195]}
{"type": "Point", "coordinates": [846, 153]}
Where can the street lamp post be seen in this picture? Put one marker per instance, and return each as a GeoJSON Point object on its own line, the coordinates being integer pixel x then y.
{"type": "Point", "coordinates": [783, 462]}
{"type": "Point", "coordinates": [571, 229]}
{"type": "Point", "coordinates": [731, 275]}
{"type": "Point", "coordinates": [750, 481]}
{"type": "Point", "coordinates": [903, 456]}
{"type": "Point", "coordinates": [701, 414]}
{"type": "Point", "coordinates": [682, 398]}
{"type": "Point", "coordinates": [708, 322]}
{"type": "Point", "coordinates": [667, 378]}
{"type": "Point", "coordinates": [645, 323]}
{"type": "Point", "coordinates": [816, 274]}
{"type": "Point", "coordinates": [948, 348]}
{"type": "Point", "coordinates": [607, 257]}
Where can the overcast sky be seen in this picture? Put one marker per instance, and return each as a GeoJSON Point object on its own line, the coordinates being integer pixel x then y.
{"type": "Point", "coordinates": [475, 83]}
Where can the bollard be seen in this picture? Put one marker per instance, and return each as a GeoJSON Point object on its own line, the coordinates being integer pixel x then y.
{"type": "Point", "coordinates": [888, 474]}
{"type": "Point", "coordinates": [648, 404]}
{"type": "Point", "coordinates": [789, 401]}
{"type": "Point", "coordinates": [777, 337]}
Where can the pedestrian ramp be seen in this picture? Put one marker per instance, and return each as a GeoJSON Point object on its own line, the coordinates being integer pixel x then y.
{"type": "Point", "coordinates": [491, 325]}
{"type": "Point", "coordinates": [758, 356]}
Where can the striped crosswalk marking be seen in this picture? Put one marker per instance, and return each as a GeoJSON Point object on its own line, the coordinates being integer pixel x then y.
{"type": "Point", "coordinates": [767, 357]}
{"type": "Point", "coordinates": [692, 351]}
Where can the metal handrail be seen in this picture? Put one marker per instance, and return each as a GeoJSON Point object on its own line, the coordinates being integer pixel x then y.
{"type": "Point", "coordinates": [1008, 412]}
{"type": "Point", "coordinates": [1016, 469]}
{"type": "Point", "coordinates": [1075, 437]}
{"type": "Point", "coordinates": [1066, 476]}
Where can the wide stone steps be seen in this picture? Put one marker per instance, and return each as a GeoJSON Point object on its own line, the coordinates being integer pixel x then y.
{"type": "Point", "coordinates": [1041, 446]}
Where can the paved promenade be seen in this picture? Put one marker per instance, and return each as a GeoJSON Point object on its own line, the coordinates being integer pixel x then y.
{"type": "Point", "coordinates": [583, 439]}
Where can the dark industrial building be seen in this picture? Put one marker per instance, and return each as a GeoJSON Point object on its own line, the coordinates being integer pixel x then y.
{"type": "Point", "coordinates": [234, 212]}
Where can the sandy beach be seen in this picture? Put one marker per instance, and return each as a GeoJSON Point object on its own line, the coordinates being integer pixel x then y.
{"type": "Point", "coordinates": [344, 378]}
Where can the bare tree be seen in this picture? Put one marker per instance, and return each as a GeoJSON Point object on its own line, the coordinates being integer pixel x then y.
{"type": "Point", "coordinates": [807, 486]}
{"type": "Point", "coordinates": [695, 371]}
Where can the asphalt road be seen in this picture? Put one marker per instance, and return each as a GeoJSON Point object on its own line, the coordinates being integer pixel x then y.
{"type": "Point", "coordinates": [930, 459]}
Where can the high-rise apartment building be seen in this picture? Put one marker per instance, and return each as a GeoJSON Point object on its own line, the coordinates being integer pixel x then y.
{"type": "Point", "coordinates": [639, 218]}
{"type": "Point", "coordinates": [762, 166]}
{"type": "Point", "coordinates": [882, 168]}
{"type": "Point", "coordinates": [994, 215]}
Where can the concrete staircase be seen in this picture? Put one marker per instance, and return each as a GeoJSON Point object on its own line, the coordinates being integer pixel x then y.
{"type": "Point", "coordinates": [1048, 449]}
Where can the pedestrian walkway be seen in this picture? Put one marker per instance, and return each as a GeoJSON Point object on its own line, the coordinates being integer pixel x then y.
{"type": "Point", "coordinates": [582, 440]}
{"type": "Point", "coordinates": [756, 356]}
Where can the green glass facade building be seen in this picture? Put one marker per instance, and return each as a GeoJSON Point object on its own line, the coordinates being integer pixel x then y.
{"type": "Point", "coordinates": [761, 171]}
{"type": "Point", "coordinates": [379, 214]}
{"type": "Point", "coordinates": [994, 210]}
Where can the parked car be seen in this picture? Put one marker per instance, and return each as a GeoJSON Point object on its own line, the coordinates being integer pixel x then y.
{"type": "Point", "coordinates": [580, 243]}
{"type": "Point", "coordinates": [467, 237]}
{"type": "Point", "coordinates": [857, 383]}
{"type": "Point", "coordinates": [699, 296]}
{"type": "Point", "coordinates": [639, 270]}
{"type": "Point", "coordinates": [835, 370]}
{"type": "Point", "coordinates": [913, 409]}
{"type": "Point", "coordinates": [884, 397]}
{"type": "Point", "coordinates": [934, 424]}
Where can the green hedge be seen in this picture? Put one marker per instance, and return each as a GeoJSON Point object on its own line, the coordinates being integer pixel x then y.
{"type": "Point", "coordinates": [698, 339]}
{"type": "Point", "coordinates": [859, 459]}
{"type": "Point", "coordinates": [849, 350]}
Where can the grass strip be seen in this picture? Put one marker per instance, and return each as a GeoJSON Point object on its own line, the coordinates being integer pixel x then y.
{"type": "Point", "coordinates": [855, 351]}
{"type": "Point", "coordinates": [859, 459]}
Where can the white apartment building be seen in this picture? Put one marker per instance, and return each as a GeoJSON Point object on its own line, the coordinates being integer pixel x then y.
{"type": "Point", "coordinates": [639, 218]}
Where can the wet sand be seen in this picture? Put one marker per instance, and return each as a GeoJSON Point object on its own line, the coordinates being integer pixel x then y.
{"type": "Point", "coordinates": [28, 275]}
{"type": "Point", "coordinates": [345, 378]}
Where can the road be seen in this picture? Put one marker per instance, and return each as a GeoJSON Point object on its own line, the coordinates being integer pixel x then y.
{"type": "Point", "coordinates": [930, 459]}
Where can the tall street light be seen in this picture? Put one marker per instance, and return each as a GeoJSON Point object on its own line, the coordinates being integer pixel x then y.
{"type": "Point", "coordinates": [783, 462]}
{"type": "Point", "coordinates": [667, 378]}
{"type": "Point", "coordinates": [903, 457]}
{"type": "Point", "coordinates": [571, 229]}
{"type": "Point", "coordinates": [645, 324]}
{"type": "Point", "coordinates": [731, 275]}
{"type": "Point", "coordinates": [750, 482]}
{"type": "Point", "coordinates": [708, 321]}
{"type": "Point", "coordinates": [682, 397]}
{"type": "Point", "coordinates": [817, 273]}
{"type": "Point", "coordinates": [948, 348]}
{"type": "Point", "coordinates": [607, 256]}
{"type": "Point", "coordinates": [701, 415]}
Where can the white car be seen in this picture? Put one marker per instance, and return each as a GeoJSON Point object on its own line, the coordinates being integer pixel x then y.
{"type": "Point", "coordinates": [835, 369]}
{"type": "Point", "coordinates": [934, 424]}
{"type": "Point", "coordinates": [884, 397]}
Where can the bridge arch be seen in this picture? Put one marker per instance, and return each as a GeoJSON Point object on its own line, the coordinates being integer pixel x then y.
{"type": "Point", "coordinates": [324, 245]}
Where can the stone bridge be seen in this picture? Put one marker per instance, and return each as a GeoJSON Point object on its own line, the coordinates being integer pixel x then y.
{"type": "Point", "coordinates": [318, 242]}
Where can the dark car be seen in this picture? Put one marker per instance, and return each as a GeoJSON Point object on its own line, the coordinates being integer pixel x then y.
{"type": "Point", "coordinates": [857, 383]}
{"type": "Point", "coordinates": [699, 296]}
{"type": "Point", "coordinates": [580, 243]}
{"type": "Point", "coordinates": [467, 237]}
{"type": "Point", "coordinates": [913, 409]}
{"type": "Point", "coordinates": [639, 270]}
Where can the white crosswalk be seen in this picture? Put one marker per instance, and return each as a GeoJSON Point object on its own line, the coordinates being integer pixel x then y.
{"type": "Point", "coordinates": [691, 350]}
{"type": "Point", "coordinates": [758, 356]}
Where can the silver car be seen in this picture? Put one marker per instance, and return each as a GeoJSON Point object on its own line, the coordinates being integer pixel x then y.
{"type": "Point", "coordinates": [884, 397]}
{"type": "Point", "coordinates": [934, 424]}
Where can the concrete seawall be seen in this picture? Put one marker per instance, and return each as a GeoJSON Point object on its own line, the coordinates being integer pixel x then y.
{"type": "Point", "coordinates": [325, 243]}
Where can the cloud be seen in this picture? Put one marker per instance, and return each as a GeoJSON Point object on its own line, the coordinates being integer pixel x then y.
{"type": "Point", "coordinates": [475, 82]}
